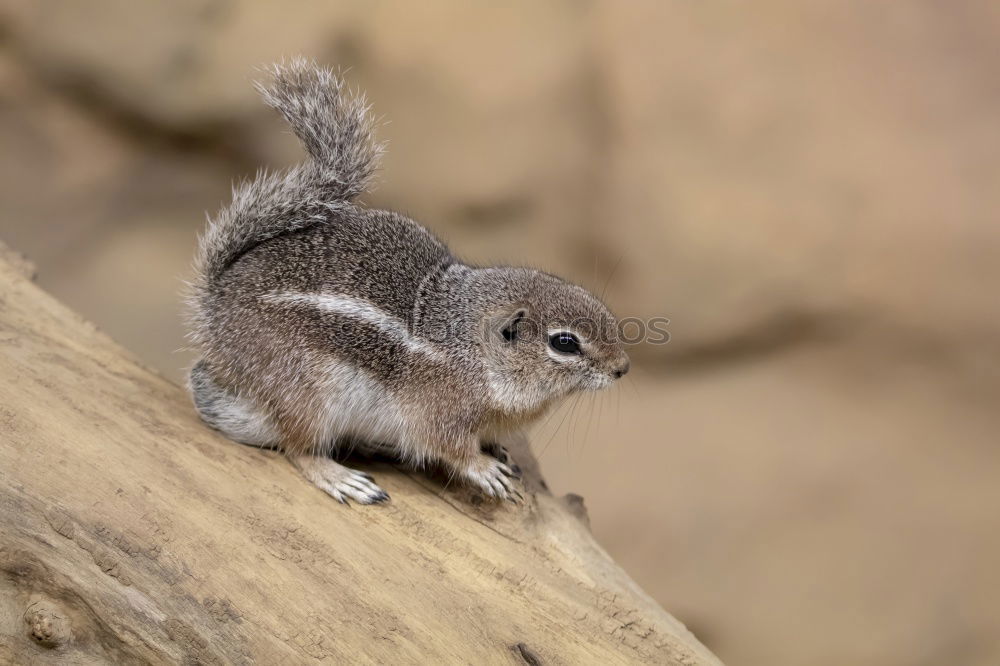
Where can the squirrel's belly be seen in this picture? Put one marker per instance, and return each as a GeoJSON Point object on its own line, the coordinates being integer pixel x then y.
{"type": "Point", "coordinates": [357, 404]}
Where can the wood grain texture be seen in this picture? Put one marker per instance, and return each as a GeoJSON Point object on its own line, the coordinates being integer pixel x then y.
{"type": "Point", "coordinates": [133, 534]}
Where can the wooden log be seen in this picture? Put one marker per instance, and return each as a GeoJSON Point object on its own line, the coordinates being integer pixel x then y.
{"type": "Point", "coordinates": [131, 533]}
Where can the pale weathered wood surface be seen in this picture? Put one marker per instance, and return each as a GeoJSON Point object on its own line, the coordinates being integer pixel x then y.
{"type": "Point", "coordinates": [133, 534]}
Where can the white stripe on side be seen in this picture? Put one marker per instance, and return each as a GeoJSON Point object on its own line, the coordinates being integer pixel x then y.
{"type": "Point", "coordinates": [361, 309]}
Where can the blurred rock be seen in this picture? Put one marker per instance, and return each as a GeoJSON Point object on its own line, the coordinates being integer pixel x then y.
{"type": "Point", "coordinates": [20, 263]}
{"type": "Point", "coordinates": [735, 185]}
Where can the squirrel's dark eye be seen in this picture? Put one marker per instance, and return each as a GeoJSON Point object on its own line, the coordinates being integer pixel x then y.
{"type": "Point", "coordinates": [565, 343]}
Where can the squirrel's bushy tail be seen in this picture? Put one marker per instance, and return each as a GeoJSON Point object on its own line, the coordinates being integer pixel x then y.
{"type": "Point", "coordinates": [338, 133]}
{"type": "Point", "coordinates": [334, 126]}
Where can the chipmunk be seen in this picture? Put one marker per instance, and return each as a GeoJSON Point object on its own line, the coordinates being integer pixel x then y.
{"type": "Point", "coordinates": [321, 321]}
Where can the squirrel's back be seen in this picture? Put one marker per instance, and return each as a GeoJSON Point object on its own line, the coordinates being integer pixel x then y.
{"type": "Point", "coordinates": [337, 131]}
{"type": "Point", "coordinates": [376, 256]}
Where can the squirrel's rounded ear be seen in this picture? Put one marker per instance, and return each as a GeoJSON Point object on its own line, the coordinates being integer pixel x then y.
{"type": "Point", "coordinates": [510, 323]}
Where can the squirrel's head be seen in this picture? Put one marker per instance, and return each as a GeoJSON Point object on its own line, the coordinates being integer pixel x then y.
{"type": "Point", "coordinates": [546, 338]}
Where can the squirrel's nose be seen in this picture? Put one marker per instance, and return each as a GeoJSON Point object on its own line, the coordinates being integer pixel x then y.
{"type": "Point", "coordinates": [621, 370]}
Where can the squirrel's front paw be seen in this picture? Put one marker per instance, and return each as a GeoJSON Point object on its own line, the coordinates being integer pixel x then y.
{"type": "Point", "coordinates": [494, 450]}
{"type": "Point", "coordinates": [493, 477]}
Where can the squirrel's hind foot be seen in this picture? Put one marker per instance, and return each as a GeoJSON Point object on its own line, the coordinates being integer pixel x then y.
{"type": "Point", "coordinates": [341, 483]}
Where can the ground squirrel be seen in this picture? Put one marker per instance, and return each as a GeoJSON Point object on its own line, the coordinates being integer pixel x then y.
{"type": "Point", "coordinates": [322, 322]}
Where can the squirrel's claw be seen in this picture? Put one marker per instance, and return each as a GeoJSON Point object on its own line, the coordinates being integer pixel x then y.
{"type": "Point", "coordinates": [494, 450]}
{"type": "Point", "coordinates": [341, 483]}
{"type": "Point", "coordinates": [492, 477]}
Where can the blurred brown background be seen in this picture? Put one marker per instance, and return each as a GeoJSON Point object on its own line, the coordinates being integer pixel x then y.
{"type": "Point", "coordinates": [808, 472]}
